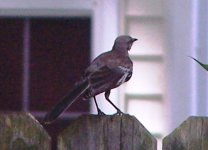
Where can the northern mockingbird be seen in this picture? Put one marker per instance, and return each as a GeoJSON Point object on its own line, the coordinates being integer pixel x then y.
{"type": "Point", "coordinates": [108, 71]}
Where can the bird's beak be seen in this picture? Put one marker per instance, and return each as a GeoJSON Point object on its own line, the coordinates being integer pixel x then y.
{"type": "Point", "coordinates": [134, 39]}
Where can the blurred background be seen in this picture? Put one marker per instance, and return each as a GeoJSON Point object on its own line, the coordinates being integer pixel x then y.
{"type": "Point", "coordinates": [46, 45]}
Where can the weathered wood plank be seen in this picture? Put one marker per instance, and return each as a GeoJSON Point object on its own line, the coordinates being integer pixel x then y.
{"type": "Point", "coordinates": [192, 134]}
{"type": "Point", "coordinates": [92, 132]}
{"type": "Point", "coordinates": [20, 131]}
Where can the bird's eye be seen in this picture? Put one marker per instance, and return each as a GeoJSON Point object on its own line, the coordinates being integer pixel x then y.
{"type": "Point", "coordinates": [129, 42]}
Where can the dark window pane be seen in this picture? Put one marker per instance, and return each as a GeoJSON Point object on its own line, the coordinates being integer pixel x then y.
{"type": "Point", "coordinates": [11, 31]}
{"type": "Point", "coordinates": [60, 51]}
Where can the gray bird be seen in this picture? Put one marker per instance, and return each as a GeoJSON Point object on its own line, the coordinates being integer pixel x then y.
{"type": "Point", "coordinates": [107, 71]}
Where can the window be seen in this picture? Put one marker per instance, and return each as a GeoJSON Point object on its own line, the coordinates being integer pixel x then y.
{"type": "Point", "coordinates": [41, 59]}
{"type": "Point", "coordinates": [11, 64]}
{"type": "Point", "coordinates": [145, 95]}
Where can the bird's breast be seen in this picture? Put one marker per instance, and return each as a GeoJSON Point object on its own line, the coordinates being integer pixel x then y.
{"type": "Point", "coordinates": [127, 72]}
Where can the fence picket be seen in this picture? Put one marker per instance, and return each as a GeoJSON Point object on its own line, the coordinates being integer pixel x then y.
{"type": "Point", "coordinates": [20, 131]}
{"type": "Point", "coordinates": [91, 132]}
{"type": "Point", "coordinates": [192, 134]}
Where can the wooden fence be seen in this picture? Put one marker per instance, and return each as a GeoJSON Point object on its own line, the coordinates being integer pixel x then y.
{"type": "Point", "coordinates": [21, 131]}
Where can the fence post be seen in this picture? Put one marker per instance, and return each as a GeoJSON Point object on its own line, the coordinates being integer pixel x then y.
{"type": "Point", "coordinates": [115, 132]}
{"type": "Point", "coordinates": [192, 134]}
{"type": "Point", "coordinates": [20, 131]}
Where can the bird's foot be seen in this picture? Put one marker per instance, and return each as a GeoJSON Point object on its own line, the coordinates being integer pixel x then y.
{"type": "Point", "coordinates": [119, 112]}
{"type": "Point", "coordinates": [100, 113]}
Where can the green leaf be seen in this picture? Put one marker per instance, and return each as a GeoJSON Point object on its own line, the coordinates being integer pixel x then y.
{"type": "Point", "coordinates": [205, 66]}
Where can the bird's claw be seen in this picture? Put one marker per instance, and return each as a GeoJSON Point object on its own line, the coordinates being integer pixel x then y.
{"type": "Point", "coordinates": [119, 112]}
{"type": "Point", "coordinates": [100, 113]}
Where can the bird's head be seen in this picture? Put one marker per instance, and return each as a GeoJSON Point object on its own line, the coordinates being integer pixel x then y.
{"type": "Point", "coordinates": [123, 42]}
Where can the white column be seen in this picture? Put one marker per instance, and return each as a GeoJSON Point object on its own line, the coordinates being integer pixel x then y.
{"type": "Point", "coordinates": [202, 55]}
{"type": "Point", "coordinates": [181, 70]}
{"type": "Point", "coordinates": [105, 30]}
{"type": "Point", "coordinates": [193, 53]}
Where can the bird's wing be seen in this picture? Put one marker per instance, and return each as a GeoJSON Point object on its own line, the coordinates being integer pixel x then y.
{"type": "Point", "coordinates": [107, 78]}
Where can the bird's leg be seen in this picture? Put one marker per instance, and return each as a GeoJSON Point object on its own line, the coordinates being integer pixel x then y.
{"type": "Point", "coordinates": [107, 94]}
{"type": "Point", "coordinates": [98, 109]}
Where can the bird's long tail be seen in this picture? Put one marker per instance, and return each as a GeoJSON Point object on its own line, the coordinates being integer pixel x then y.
{"type": "Point", "coordinates": [61, 106]}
